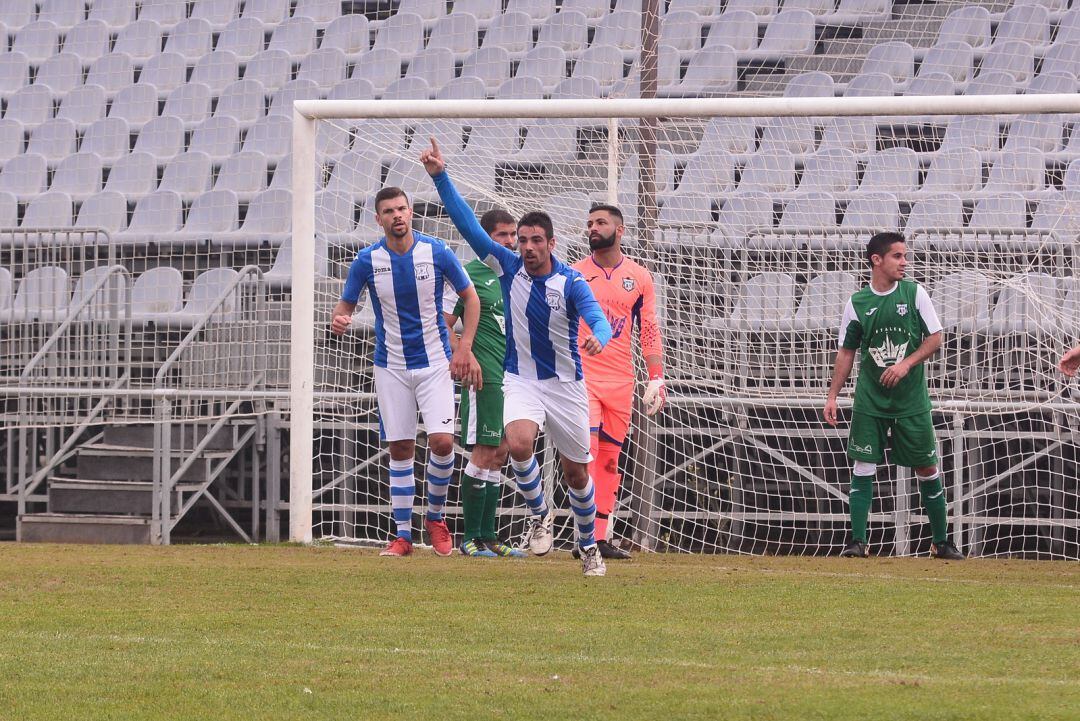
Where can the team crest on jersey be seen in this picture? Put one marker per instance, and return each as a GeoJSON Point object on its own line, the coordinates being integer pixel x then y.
{"type": "Point", "coordinates": [628, 284]}
{"type": "Point", "coordinates": [901, 309]}
{"type": "Point", "coordinates": [423, 271]}
{"type": "Point", "coordinates": [554, 300]}
{"type": "Point", "coordinates": [889, 353]}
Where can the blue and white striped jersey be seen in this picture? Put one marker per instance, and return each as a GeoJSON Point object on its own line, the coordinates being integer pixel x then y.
{"type": "Point", "coordinates": [406, 295]}
{"type": "Point", "coordinates": [542, 312]}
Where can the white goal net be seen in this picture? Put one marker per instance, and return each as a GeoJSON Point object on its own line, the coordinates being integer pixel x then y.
{"type": "Point", "coordinates": [753, 220]}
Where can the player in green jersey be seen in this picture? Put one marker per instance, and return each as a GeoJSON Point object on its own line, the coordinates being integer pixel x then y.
{"type": "Point", "coordinates": [894, 326]}
{"type": "Point", "coordinates": [481, 408]}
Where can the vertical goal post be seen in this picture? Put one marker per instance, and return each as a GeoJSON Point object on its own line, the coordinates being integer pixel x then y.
{"type": "Point", "coordinates": [307, 113]}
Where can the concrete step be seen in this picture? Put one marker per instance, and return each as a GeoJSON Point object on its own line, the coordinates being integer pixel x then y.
{"type": "Point", "coordinates": [142, 436]}
{"type": "Point", "coordinates": [76, 528]}
{"type": "Point", "coordinates": [134, 463]}
{"type": "Point", "coordinates": [78, 495]}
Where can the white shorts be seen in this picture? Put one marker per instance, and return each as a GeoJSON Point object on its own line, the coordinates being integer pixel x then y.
{"type": "Point", "coordinates": [401, 392]}
{"type": "Point", "coordinates": [561, 408]}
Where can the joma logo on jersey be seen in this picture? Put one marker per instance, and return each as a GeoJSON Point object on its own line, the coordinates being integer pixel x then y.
{"type": "Point", "coordinates": [423, 271]}
{"type": "Point", "coordinates": [628, 284]}
{"type": "Point", "coordinates": [554, 300]}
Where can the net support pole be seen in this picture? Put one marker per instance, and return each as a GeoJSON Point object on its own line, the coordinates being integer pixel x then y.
{"type": "Point", "coordinates": [302, 326]}
{"type": "Point", "coordinates": [613, 161]}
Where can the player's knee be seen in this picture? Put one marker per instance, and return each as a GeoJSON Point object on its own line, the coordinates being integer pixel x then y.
{"type": "Point", "coordinates": [576, 474]}
{"type": "Point", "coordinates": [926, 473]}
{"type": "Point", "coordinates": [402, 450]}
{"type": "Point", "coordinates": [441, 444]}
{"type": "Point", "coordinates": [863, 468]}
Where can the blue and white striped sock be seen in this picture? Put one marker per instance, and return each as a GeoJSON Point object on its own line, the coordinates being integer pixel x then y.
{"type": "Point", "coordinates": [402, 492]}
{"type": "Point", "coordinates": [527, 475]}
{"type": "Point", "coordinates": [439, 471]}
{"type": "Point", "coordinates": [584, 507]}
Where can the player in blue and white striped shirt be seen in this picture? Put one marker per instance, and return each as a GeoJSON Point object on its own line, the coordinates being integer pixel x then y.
{"type": "Point", "coordinates": [543, 385]}
{"type": "Point", "coordinates": [404, 274]}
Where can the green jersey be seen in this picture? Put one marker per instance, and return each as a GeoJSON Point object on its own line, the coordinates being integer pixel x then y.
{"type": "Point", "coordinates": [490, 344]}
{"type": "Point", "coordinates": [886, 328]}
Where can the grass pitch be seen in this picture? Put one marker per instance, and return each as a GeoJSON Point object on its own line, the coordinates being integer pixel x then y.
{"type": "Point", "coordinates": [235, 632]}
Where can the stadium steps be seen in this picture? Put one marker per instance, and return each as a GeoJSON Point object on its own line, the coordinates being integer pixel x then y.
{"type": "Point", "coordinates": [73, 528]}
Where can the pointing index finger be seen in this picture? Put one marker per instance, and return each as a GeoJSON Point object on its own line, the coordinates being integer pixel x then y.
{"type": "Point", "coordinates": [434, 145]}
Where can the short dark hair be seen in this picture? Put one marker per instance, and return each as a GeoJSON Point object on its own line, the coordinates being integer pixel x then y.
{"type": "Point", "coordinates": [880, 244]}
{"type": "Point", "coordinates": [388, 193]}
{"type": "Point", "coordinates": [539, 219]}
{"type": "Point", "coordinates": [490, 219]}
{"type": "Point", "coordinates": [615, 212]}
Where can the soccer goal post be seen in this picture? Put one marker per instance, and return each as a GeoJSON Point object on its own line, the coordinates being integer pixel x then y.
{"type": "Point", "coordinates": [752, 214]}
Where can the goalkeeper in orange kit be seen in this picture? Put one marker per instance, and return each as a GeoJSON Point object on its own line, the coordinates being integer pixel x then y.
{"type": "Point", "coordinates": [625, 292]}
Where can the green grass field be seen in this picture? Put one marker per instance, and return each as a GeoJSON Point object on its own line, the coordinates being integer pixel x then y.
{"type": "Point", "coordinates": [235, 632]}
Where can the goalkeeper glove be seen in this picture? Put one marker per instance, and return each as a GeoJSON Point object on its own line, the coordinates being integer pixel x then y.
{"type": "Point", "coordinates": [655, 396]}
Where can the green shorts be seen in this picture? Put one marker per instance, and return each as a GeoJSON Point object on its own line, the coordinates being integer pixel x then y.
{"type": "Point", "coordinates": [913, 443]}
{"type": "Point", "coordinates": [482, 415]}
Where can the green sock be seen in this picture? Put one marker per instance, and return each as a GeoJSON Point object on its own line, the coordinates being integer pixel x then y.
{"type": "Point", "coordinates": [933, 500]}
{"type": "Point", "coordinates": [472, 504]}
{"type": "Point", "coordinates": [860, 499]}
{"type": "Point", "coordinates": [491, 504]}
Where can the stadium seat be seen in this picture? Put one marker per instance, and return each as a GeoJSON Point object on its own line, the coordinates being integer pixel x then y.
{"type": "Point", "coordinates": [140, 41]}
{"type": "Point", "coordinates": [711, 71]}
{"type": "Point", "coordinates": [11, 140]}
{"type": "Point", "coordinates": [1017, 311]}
{"type": "Point", "coordinates": [602, 62]}
{"type": "Point", "coordinates": [271, 136]}
{"type": "Point", "coordinates": [61, 74]}
{"type": "Point", "coordinates": [1072, 175]}
{"type": "Point", "coordinates": [456, 33]}
{"type": "Point", "coordinates": [794, 134]}
{"type": "Point", "coordinates": [832, 170]}
{"type": "Point", "coordinates": [969, 24]}
{"type": "Point", "coordinates": [1054, 81]}
{"type": "Point", "coordinates": [166, 14]}
{"type": "Point", "coordinates": [576, 88]}
{"type": "Point", "coordinates": [190, 39]}
{"type": "Point", "coordinates": [568, 31]}
{"type": "Point", "coordinates": [269, 12]}
{"type": "Point", "coordinates": [325, 67]}
{"type": "Point", "coordinates": [930, 84]}
{"type": "Point", "coordinates": [112, 72]}
{"type": "Point", "coordinates": [322, 12]}
{"type": "Point", "coordinates": [880, 211]}
{"type": "Point", "coordinates": [133, 176]}
{"type": "Point", "coordinates": [895, 59]}
{"type": "Point", "coordinates": [78, 175]}
{"type": "Point", "coordinates": [938, 212]}
{"type": "Point", "coordinates": [435, 66]}
{"type": "Point", "coordinates": [485, 11]}
{"type": "Point", "coordinates": [281, 102]}
{"type": "Point", "coordinates": [218, 137]}
{"type": "Point", "coordinates": [158, 216]}
{"type": "Point", "coordinates": [218, 13]}
{"type": "Point", "coordinates": [165, 73]}
{"type": "Point", "coordinates": [136, 104]}
{"type": "Point", "coordinates": [243, 101]}
{"type": "Point", "coordinates": [954, 170]}
{"type": "Point", "coordinates": [711, 172]}
{"type": "Point", "coordinates": [350, 34]}
{"type": "Point", "coordinates": [157, 294]}
{"type": "Point", "coordinates": [867, 85]}
{"type": "Point", "coordinates": [190, 103]}
{"type": "Point", "coordinates": [895, 170]}
{"type": "Point", "coordinates": [162, 137]}
{"type": "Point", "coordinates": [106, 210]}
{"type": "Point", "coordinates": [681, 29]}
{"type": "Point", "coordinates": [490, 65]}
{"type": "Point", "coordinates": [31, 105]}
{"type": "Point", "coordinates": [760, 8]}
{"type": "Point", "coordinates": [187, 175]}
{"type": "Point", "coordinates": [110, 138]}
{"type": "Point", "coordinates": [88, 41]}
{"type": "Point", "coordinates": [769, 172]}
{"type": "Point", "coordinates": [14, 72]}
{"type": "Point", "coordinates": [335, 217]}
{"type": "Point", "coordinates": [622, 30]}
{"type": "Point", "coordinates": [955, 59]}
{"type": "Point", "coordinates": [216, 71]}
{"type": "Point", "coordinates": [403, 32]}
{"type": "Point", "coordinates": [109, 301]}
{"type": "Point", "coordinates": [113, 13]}
{"type": "Point", "coordinates": [448, 132]}
{"type": "Point", "coordinates": [1013, 57]}
{"type": "Point", "coordinates": [823, 300]}
{"type": "Point", "coordinates": [268, 221]}
{"type": "Point", "coordinates": [430, 11]}
{"type": "Point", "coordinates": [977, 132]}
{"type": "Point", "coordinates": [202, 301]}
{"type": "Point", "coordinates": [41, 295]}
{"type": "Point", "coordinates": [24, 176]}
{"type": "Point", "coordinates": [212, 213]}
{"type": "Point", "coordinates": [1023, 170]}
{"type": "Point", "coordinates": [1054, 212]}
{"type": "Point", "coordinates": [1007, 210]}
{"type": "Point", "coordinates": [52, 209]}
{"type": "Point", "coordinates": [814, 84]}
{"type": "Point", "coordinates": [465, 87]}
{"type": "Point", "coordinates": [1025, 22]}
{"type": "Point", "coordinates": [512, 32]}
{"type": "Point", "coordinates": [548, 141]}
{"type": "Point", "coordinates": [492, 140]}
{"type": "Point", "coordinates": [765, 302]}
{"type": "Point", "coordinates": [1044, 133]}
{"type": "Point", "coordinates": [809, 211]}
{"type": "Point", "coordinates": [685, 217]}
{"type": "Point", "coordinates": [83, 106]}
{"type": "Point", "coordinates": [408, 88]}
{"type": "Point", "coordinates": [243, 37]}
{"type": "Point", "coordinates": [735, 135]}
{"type": "Point", "coordinates": [381, 67]}
{"type": "Point", "coordinates": [5, 281]}
{"type": "Point", "coordinates": [244, 174]}
{"type": "Point", "coordinates": [54, 140]}
{"type": "Point", "coordinates": [547, 63]}
{"type": "Point", "coordinates": [741, 215]}
{"type": "Point", "coordinates": [592, 10]}
{"type": "Point", "coordinates": [962, 301]}
{"type": "Point", "coordinates": [9, 214]}
{"type": "Point", "coordinates": [790, 33]}
{"type": "Point", "coordinates": [38, 41]}
{"type": "Point", "coordinates": [859, 12]}
{"type": "Point", "coordinates": [15, 14]}
{"type": "Point", "coordinates": [295, 36]}
{"type": "Point", "coordinates": [735, 28]}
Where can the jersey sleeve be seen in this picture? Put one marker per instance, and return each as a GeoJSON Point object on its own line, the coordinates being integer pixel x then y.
{"type": "Point", "coordinates": [651, 339]}
{"type": "Point", "coordinates": [850, 328]}
{"type": "Point", "coordinates": [587, 307]}
{"type": "Point", "coordinates": [453, 305]}
{"type": "Point", "coordinates": [359, 275]}
{"type": "Point", "coordinates": [488, 251]}
{"type": "Point", "coordinates": [927, 312]}
{"type": "Point", "coordinates": [452, 269]}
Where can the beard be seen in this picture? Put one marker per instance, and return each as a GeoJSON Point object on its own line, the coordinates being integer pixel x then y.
{"type": "Point", "coordinates": [601, 242]}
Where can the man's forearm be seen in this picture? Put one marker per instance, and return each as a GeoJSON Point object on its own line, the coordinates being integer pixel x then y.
{"type": "Point", "coordinates": [343, 308]}
{"type": "Point", "coordinates": [927, 348]}
{"type": "Point", "coordinates": [845, 359]}
{"type": "Point", "coordinates": [470, 319]}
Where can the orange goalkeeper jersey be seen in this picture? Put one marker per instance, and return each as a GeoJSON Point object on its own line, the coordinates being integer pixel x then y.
{"type": "Point", "coordinates": [626, 295]}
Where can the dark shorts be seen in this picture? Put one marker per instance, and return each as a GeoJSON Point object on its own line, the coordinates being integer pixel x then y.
{"type": "Point", "coordinates": [912, 443]}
